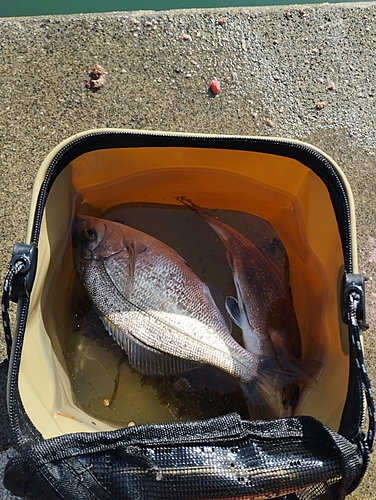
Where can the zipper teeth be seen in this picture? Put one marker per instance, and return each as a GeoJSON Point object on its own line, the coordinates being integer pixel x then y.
{"type": "Point", "coordinates": [42, 197]}
{"type": "Point", "coordinates": [256, 140]}
{"type": "Point", "coordinates": [14, 399]}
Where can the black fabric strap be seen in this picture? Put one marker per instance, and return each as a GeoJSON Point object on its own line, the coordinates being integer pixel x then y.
{"type": "Point", "coordinates": [355, 332]}
{"type": "Point", "coordinates": [8, 283]}
{"type": "Point", "coordinates": [57, 480]}
{"type": "Point", "coordinates": [364, 441]}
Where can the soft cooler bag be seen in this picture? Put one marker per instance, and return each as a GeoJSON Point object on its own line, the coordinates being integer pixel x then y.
{"type": "Point", "coordinates": [86, 425]}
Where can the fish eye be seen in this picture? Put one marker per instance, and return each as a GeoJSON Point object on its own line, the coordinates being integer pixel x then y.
{"type": "Point", "coordinates": [89, 234]}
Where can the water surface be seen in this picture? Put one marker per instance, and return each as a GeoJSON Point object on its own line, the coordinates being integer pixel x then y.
{"type": "Point", "coordinates": [46, 7]}
{"type": "Point", "coordinates": [104, 384]}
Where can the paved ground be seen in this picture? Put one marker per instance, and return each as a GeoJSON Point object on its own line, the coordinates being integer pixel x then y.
{"type": "Point", "coordinates": [274, 65]}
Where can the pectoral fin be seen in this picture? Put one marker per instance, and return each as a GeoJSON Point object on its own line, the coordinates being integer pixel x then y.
{"type": "Point", "coordinates": [232, 307]}
{"type": "Point", "coordinates": [134, 248]}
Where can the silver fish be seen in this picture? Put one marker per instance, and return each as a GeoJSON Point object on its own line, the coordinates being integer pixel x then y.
{"type": "Point", "coordinates": [264, 311]}
{"type": "Point", "coordinates": [152, 303]}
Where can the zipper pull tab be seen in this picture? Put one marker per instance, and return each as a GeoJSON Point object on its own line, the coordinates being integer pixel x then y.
{"type": "Point", "coordinates": [353, 286]}
{"type": "Point", "coordinates": [25, 258]}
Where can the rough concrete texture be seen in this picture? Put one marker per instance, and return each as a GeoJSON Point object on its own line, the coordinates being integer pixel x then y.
{"type": "Point", "coordinates": [274, 64]}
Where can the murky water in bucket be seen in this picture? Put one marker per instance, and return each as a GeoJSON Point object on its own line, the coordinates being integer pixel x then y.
{"type": "Point", "coordinates": [104, 384]}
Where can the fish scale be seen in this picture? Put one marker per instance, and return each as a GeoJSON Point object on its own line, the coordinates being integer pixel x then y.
{"type": "Point", "coordinates": [159, 311]}
{"type": "Point", "coordinates": [264, 311]}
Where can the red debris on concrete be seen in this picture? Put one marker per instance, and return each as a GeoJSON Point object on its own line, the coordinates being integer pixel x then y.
{"type": "Point", "coordinates": [215, 86]}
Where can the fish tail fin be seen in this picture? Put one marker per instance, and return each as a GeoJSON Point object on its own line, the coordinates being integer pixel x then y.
{"type": "Point", "coordinates": [275, 392]}
{"type": "Point", "coordinates": [306, 370]}
{"type": "Point", "coordinates": [189, 203]}
{"type": "Point", "coordinates": [262, 403]}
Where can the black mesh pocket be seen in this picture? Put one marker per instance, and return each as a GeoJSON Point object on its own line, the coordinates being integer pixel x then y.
{"type": "Point", "coordinates": [219, 458]}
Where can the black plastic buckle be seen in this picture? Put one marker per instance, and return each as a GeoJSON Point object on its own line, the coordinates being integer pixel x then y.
{"type": "Point", "coordinates": [23, 281]}
{"type": "Point", "coordinates": [354, 284]}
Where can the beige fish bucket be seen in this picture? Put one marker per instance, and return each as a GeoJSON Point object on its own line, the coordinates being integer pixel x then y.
{"type": "Point", "coordinates": [280, 190]}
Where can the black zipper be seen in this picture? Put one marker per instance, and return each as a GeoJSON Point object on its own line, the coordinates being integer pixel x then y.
{"type": "Point", "coordinates": [115, 139]}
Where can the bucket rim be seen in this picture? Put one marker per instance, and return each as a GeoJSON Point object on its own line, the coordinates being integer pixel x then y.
{"type": "Point", "coordinates": [294, 143]}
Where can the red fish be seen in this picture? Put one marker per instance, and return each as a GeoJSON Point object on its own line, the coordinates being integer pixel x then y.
{"type": "Point", "coordinates": [153, 304]}
{"type": "Point", "coordinates": [264, 311]}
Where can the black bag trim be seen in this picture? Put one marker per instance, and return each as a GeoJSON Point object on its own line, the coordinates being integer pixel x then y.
{"type": "Point", "coordinates": [297, 151]}
{"type": "Point", "coordinates": [305, 454]}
